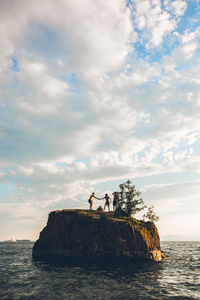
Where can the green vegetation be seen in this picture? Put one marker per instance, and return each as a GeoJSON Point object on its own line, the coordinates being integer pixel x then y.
{"type": "Point", "coordinates": [151, 215]}
{"type": "Point", "coordinates": [129, 203]}
{"type": "Point", "coordinates": [82, 212]}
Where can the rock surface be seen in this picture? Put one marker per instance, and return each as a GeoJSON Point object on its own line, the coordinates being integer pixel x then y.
{"type": "Point", "coordinates": [81, 234]}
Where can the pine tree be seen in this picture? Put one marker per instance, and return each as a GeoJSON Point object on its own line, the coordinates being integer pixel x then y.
{"type": "Point", "coordinates": [133, 204]}
{"type": "Point", "coordinates": [129, 203]}
{"type": "Point", "coordinates": [151, 215]}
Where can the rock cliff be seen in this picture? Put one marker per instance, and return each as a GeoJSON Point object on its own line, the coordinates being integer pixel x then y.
{"type": "Point", "coordinates": [81, 234]}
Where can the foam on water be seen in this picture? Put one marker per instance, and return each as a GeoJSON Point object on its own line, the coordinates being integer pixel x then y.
{"type": "Point", "coordinates": [176, 278]}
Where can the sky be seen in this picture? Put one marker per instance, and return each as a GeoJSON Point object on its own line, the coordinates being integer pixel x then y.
{"type": "Point", "coordinates": [93, 93]}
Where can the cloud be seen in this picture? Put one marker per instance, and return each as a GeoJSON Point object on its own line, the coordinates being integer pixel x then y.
{"type": "Point", "coordinates": [165, 193]}
{"type": "Point", "coordinates": [174, 203]}
{"type": "Point", "coordinates": [17, 211]}
{"type": "Point", "coordinates": [49, 91]}
{"type": "Point", "coordinates": [156, 22]}
{"type": "Point", "coordinates": [177, 7]}
{"type": "Point", "coordinates": [89, 38]}
{"type": "Point", "coordinates": [38, 74]}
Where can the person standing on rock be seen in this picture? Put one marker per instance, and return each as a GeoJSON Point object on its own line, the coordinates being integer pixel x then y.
{"type": "Point", "coordinates": [115, 200]}
{"type": "Point", "coordinates": [107, 203]}
{"type": "Point", "coordinates": [91, 200]}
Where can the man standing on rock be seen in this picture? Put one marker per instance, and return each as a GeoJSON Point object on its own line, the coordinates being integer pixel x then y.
{"type": "Point", "coordinates": [107, 203]}
{"type": "Point", "coordinates": [115, 200]}
{"type": "Point", "coordinates": [91, 200]}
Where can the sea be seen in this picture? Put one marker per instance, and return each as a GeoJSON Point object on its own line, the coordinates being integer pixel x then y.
{"type": "Point", "coordinates": [175, 278]}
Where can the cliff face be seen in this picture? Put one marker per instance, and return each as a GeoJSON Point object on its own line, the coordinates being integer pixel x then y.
{"type": "Point", "coordinates": [80, 234]}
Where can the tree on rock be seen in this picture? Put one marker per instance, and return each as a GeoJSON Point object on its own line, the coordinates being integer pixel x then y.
{"type": "Point", "coordinates": [129, 202]}
{"type": "Point", "coordinates": [151, 215]}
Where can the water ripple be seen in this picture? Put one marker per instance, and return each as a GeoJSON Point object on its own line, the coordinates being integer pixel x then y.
{"type": "Point", "coordinates": [176, 278]}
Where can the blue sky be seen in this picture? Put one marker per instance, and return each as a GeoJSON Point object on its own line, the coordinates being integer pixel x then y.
{"type": "Point", "coordinates": [93, 93]}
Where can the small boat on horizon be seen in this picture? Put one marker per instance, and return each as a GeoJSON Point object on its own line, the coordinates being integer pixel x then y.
{"type": "Point", "coordinates": [13, 240]}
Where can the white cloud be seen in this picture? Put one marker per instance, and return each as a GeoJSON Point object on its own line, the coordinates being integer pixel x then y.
{"type": "Point", "coordinates": [177, 7]}
{"type": "Point", "coordinates": [175, 203]}
{"type": "Point", "coordinates": [17, 211]}
{"type": "Point", "coordinates": [50, 167]}
{"type": "Point", "coordinates": [185, 52]}
{"type": "Point", "coordinates": [141, 73]}
{"type": "Point", "coordinates": [142, 7]}
{"type": "Point", "coordinates": [105, 30]}
{"type": "Point", "coordinates": [48, 91]}
{"type": "Point", "coordinates": [187, 46]}
{"type": "Point", "coordinates": [26, 170]}
{"type": "Point", "coordinates": [156, 21]}
{"type": "Point", "coordinates": [96, 35]}
{"type": "Point", "coordinates": [42, 81]}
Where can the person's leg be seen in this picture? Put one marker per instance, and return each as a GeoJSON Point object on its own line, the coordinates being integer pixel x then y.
{"type": "Point", "coordinates": [91, 205]}
{"type": "Point", "coordinates": [104, 206]}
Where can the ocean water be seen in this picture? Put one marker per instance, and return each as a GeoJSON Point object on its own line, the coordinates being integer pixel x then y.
{"type": "Point", "coordinates": [174, 278]}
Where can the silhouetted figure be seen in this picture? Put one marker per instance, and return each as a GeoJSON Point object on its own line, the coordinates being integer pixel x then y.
{"type": "Point", "coordinates": [115, 200]}
{"type": "Point", "coordinates": [91, 200]}
{"type": "Point", "coordinates": [107, 203]}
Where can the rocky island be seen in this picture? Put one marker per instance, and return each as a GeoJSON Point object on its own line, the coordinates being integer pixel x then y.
{"type": "Point", "coordinates": [81, 234]}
